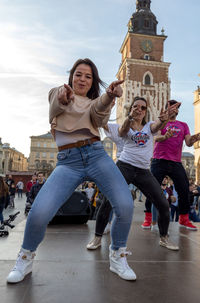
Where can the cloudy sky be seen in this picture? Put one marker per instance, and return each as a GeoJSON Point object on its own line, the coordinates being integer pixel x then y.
{"type": "Point", "coordinates": [40, 40]}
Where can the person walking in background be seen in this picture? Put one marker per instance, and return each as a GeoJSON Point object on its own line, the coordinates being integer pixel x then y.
{"type": "Point", "coordinates": [20, 187]}
{"type": "Point", "coordinates": [90, 192]}
{"type": "Point", "coordinates": [3, 197]}
{"type": "Point", "coordinates": [197, 200]}
{"type": "Point", "coordinates": [76, 112]}
{"type": "Point", "coordinates": [36, 188]}
{"type": "Point", "coordinates": [31, 183]}
{"type": "Point", "coordinates": [174, 203]}
{"type": "Point", "coordinates": [9, 181]}
{"type": "Point", "coordinates": [193, 192]}
{"type": "Point", "coordinates": [12, 192]}
{"type": "Point", "coordinates": [167, 161]}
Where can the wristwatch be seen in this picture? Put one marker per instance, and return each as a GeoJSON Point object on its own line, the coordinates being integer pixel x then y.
{"type": "Point", "coordinates": [130, 118]}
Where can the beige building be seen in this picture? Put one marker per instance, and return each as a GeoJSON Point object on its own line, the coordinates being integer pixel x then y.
{"type": "Point", "coordinates": [43, 153]}
{"type": "Point", "coordinates": [109, 147]}
{"type": "Point", "coordinates": [142, 65]}
{"type": "Point", "coordinates": [11, 160]}
{"type": "Point", "coordinates": [187, 160]}
{"type": "Point", "coordinates": [197, 130]}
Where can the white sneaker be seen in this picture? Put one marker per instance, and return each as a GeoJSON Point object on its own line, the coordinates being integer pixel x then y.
{"type": "Point", "coordinates": [23, 266]}
{"type": "Point", "coordinates": [164, 242]}
{"type": "Point", "coordinates": [154, 228]}
{"type": "Point", "coordinates": [107, 229]}
{"type": "Point", "coordinates": [119, 265]}
{"type": "Point", "coordinates": [95, 243]}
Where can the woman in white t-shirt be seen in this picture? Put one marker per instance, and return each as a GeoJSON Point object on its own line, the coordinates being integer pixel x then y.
{"type": "Point", "coordinates": [134, 161]}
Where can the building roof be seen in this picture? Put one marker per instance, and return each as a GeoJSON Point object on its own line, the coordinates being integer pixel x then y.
{"type": "Point", "coordinates": [45, 136]}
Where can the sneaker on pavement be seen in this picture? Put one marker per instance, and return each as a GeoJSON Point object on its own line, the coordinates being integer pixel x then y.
{"type": "Point", "coordinates": [154, 228]}
{"type": "Point", "coordinates": [119, 264]}
{"type": "Point", "coordinates": [23, 266]}
{"type": "Point", "coordinates": [147, 221]}
{"type": "Point", "coordinates": [185, 222]}
{"type": "Point", "coordinates": [164, 242]}
{"type": "Point", "coordinates": [95, 243]}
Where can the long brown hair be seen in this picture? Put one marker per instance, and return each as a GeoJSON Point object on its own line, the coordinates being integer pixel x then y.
{"type": "Point", "coordinates": [3, 188]}
{"type": "Point", "coordinates": [134, 100]}
{"type": "Point", "coordinates": [94, 91]}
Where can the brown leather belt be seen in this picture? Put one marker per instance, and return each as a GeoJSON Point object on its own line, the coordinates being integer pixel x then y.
{"type": "Point", "coordinates": [79, 143]}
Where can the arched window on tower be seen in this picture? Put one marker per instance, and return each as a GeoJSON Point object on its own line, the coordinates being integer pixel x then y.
{"type": "Point", "coordinates": [147, 80]}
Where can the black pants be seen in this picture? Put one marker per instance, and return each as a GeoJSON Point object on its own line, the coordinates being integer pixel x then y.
{"type": "Point", "coordinates": [102, 217]}
{"type": "Point", "coordinates": [145, 181]}
{"type": "Point", "coordinates": [160, 168]}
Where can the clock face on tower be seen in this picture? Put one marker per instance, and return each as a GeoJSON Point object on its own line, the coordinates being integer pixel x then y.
{"type": "Point", "coordinates": [147, 46]}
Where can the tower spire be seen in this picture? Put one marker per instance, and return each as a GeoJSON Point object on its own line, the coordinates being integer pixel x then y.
{"type": "Point", "coordinates": [143, 21]}
{"type": "Point", "coordinates": [140, 4]}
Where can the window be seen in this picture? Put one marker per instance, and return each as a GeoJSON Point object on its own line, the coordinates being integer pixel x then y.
{"type": "Point", "coordinates": [37, 155]}
{"type": "Point", "coordinates": [45, 145]}
{"type": "Point", "coordinates": [52, 144]}
{"type": "Point", "coordinates": [147, 80]}
{"type": "Point", "coordinates": [38, 144]}
{"type": "Point", "coordinates": [146, 23]}
{"type": "Point", "coordinates": [136, 24]}
{"type": "Point", "coordinates": [44, 155]}
{"type": "Point", "coordinates": [52, 155]}
{"type": "Point", "coordinates": [146, 57]}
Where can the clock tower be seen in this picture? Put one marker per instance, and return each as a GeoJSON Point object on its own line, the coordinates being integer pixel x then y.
{"type": "Point", "coordinates": [142, 66]}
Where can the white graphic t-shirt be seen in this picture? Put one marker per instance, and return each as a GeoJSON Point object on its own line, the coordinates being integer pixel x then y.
{"type": "Point", "coordinates": [114, 136]}
{"type": "Point", "coordinates": [138, 147]}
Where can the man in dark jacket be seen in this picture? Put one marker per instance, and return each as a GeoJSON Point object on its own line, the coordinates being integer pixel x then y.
{"type": "Point", "coordinates": [36, 188]}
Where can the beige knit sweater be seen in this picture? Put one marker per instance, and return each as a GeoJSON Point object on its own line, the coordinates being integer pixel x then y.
{"type": "Point", "coordinates": [82, 113]}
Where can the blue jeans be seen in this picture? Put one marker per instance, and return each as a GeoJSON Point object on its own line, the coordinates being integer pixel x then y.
{"type": "Point", "coordinates": [174, 212]}
{"type": "Point", "coordinates": [154, 213]}
{"type": "Point", "coordinates": [75, 166]}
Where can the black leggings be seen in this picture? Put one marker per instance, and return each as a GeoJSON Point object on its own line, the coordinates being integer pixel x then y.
{"type": "Point", "coordinates": [102, 218]}
{"type": "Point", "coordinates": [175, 170]}
{"type": "Point", "coordinates": [149, 186]}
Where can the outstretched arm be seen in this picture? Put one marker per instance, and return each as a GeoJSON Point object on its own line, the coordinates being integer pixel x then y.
{"type": "Point", "coordinates": [190, 140]}
{"type": "Point", "coordinates": [124, 128]}
{"type": "Point", "coordinates": [100, 109]}
{"type": "Point", "coordinates": [58, 98]}
{"type": "Point", "coordinates": [167, 135]}
{"type": "Point", "coordinates": [164, 117]}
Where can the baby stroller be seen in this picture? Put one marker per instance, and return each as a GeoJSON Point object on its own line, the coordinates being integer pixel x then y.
{"type": "Point", "coordinates": [28, 205]}
{"type": "Point", "coordinates": [6, 223]}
